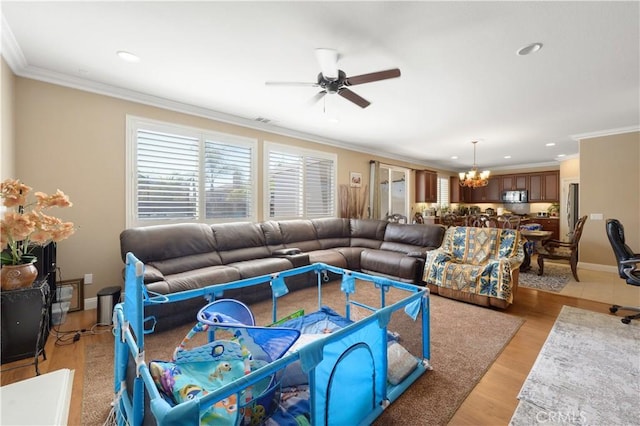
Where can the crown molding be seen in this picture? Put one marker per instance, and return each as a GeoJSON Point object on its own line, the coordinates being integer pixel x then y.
{"type": "Point", "coordinates": [10, 49]}
{"type": "Point", "coordinates": [609, 132]}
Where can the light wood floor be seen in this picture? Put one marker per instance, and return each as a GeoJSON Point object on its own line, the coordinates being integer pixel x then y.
{"type": "Point", "coordinates": [492, 401]}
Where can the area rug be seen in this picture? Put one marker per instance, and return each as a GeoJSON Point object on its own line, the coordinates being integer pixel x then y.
{"type": "Point", "coordinates": [465, 340]}
{"type": "Point", "coordinates": [555, 278]}
{"type": "Point", "coordinates": [587, 373]}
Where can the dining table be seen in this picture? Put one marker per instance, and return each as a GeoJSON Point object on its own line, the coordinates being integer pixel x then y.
{"type": "Point", "coordinates": [537, 236]}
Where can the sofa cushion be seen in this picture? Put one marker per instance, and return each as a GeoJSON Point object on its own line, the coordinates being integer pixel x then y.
{"type": "Point", "coordinates": [299, 233]}
{"type": "Point", "coordinates": [367, 232]}
{"type": "Point", "coordinates": [330, 257]}
{"type": "Point", "coordinates": [272, 234]}
{"type": "Point", "coordinates": [332, 232]}
{"type": "Point", "coordinates": [352, 255]}
{"type": "Point", "coordinates": [392, 264]}
{"type": "Point", "coordinates": [412, 238]}
{"type": "Point", "coordinates": [240, 241]}
{"type": "Point", "coordinates": [198, 278]}
{"type": "Point", "coordinates": [186, 263]}
{"type": "Point", "coordinates": [263, 266]}
{"type": "Point", "coordinates": [162, 242]}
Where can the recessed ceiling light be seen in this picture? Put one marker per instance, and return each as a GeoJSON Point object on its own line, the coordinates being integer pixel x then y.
{"type": "Point", "coordinates": [507, 156]}
{"type": "Point", "coordinates": [561, 155]}
{"type": "Point", "coordinates": [454, 157]}
{"type": "Point", "coordinates": [127, 56]}
{"type": "Point", "coordinates": [550, 144]}
{"type": "Point", "coordinates": [527, 50]}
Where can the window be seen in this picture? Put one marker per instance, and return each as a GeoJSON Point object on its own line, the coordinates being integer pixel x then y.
{"type": "Point", "coordinates": [301, 183]}
{"type": "Point", "coordinates": [181, 174]}
{"type": "Point", "coordinates": [443, 191]}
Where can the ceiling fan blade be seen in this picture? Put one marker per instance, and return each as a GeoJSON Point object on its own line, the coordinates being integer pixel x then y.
{"type": "Point", "coordinates": [317, 97]}
{"type": "Point", "coordinates": [374, 76]}
{"type": "Point", "coordinates": [328, 60]}
{"type": "Point", "coordinates": [353, 97]}
{"type": "Point", "coordinates": [290, 83]}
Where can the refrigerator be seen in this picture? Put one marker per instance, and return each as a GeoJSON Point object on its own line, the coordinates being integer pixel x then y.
{"type": "Point", "coordinates": [572, 206]}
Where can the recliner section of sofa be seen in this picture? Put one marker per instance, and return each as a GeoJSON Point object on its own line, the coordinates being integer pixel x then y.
{"type": "Point", "coordinates": [188, 256]}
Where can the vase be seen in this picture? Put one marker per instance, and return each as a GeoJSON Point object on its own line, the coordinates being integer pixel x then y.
{"type": "Point", "coordinates": [13, 277]}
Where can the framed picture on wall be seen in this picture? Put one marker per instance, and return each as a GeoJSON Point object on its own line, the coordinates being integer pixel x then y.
{"type": "Point", "coordinates": [355, 179]}
{"type": "Point", "coordinates": [71, 291]}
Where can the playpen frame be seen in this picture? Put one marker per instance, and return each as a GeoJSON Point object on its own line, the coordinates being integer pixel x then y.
{"type": "Point", "coordinates": [129, 342]}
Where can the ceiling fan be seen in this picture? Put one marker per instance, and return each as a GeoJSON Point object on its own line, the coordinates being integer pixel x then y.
{"type": "Point", "coordinates": [333, 80]}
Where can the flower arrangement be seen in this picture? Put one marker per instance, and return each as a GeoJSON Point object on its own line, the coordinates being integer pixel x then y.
{"type": "Point", "coordinates": [26, 225]}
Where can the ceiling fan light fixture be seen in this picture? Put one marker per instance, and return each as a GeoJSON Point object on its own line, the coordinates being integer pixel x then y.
{"type": "Point", "coordinates": [529, 49]}
{"type": "Point", "coordinates": [328, 61]}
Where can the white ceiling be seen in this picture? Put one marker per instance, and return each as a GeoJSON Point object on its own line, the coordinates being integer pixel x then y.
{"type": "Point", "coordinates": [461, 78]}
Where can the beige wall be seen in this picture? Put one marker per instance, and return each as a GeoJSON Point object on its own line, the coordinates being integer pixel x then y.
{"type": "Point", "coordinates": [609, 184]}
{"type": "Point", "coordinates": [75, 141]}
{"type": "Point", "coordinates": [7, 144]}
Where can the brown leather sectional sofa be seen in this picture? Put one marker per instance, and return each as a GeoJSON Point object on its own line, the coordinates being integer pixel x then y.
{"type": "Point", "coordinates": [187, 256]}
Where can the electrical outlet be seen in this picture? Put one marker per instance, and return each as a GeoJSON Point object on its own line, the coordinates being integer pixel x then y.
{"type": "Point", "coordinates": [88, 279]}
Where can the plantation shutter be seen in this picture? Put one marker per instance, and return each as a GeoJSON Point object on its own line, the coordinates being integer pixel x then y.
{"type": "Point", "coordinates": [285, 177]}
{"type": "Point", "coordinates": [443, 191]}
{"type": "Point", "coordinates": [319, 187]}
{"type": "Point", "coordinates": [167, 176]}
{"type": "Point", "coordinates": [228, 181]}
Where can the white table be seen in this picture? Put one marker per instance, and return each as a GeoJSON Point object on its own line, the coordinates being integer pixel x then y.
{"type": "Point", "coordinates": [40, 400]}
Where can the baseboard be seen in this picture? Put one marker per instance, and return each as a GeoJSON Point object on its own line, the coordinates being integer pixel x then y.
{"type": "Point", "coordinates": [598, 267]}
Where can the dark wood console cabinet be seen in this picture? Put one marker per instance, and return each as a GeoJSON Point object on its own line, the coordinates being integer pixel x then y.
{"type": "Point", "coordinates": [25, 322]}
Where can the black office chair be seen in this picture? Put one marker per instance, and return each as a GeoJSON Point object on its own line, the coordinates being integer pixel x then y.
{"type": "Point", "coordinates": [627, 264]}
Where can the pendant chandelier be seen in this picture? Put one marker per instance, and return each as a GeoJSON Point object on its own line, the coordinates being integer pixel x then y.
{"type": "Point", "coordinates": [472, 178]}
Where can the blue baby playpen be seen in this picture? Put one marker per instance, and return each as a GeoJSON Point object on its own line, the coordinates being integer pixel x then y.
{"type": "Point", "coordinates": [244, 373]}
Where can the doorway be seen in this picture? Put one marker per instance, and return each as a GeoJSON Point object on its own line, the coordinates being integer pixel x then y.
{"type": "Point", "coordinates": [393, 191]}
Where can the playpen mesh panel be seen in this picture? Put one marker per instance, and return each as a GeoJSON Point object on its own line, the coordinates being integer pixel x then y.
{"type": "Point", "coordinates": [369, 360]}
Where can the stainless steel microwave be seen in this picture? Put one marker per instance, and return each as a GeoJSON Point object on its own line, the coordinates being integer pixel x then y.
{"type": "Point", "coordinates": [514, 196]}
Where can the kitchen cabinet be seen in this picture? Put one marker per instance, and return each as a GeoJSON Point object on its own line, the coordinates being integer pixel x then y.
{"type": "Point", "coordinates": [514, 182]}
{"type": "Point", "coordinates": [544, 187]}
{"type": "Point", "coordinates": [456, 192]}
{"type": "Point", "coordinates": [426, 186]}
{"type": "Point", "coordinates": [486, 194]}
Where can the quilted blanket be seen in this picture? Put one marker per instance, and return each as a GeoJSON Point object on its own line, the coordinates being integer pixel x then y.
{"type": "Point", "coordinates": [476, 260]}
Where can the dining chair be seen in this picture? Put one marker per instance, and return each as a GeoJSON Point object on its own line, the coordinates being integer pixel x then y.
{"type": "Point", "coordinates": [508, 221]}
{"type": "Point", "coordinates": [562, 250]}
{"type": "Point", "coordinates": [450, 219]}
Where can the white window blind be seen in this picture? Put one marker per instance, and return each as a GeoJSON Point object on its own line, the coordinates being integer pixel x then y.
{"type": "Point", "coordinates": [319, 185]}
{"type": "Point", "coordinates": [167, 179]}
{"type": "Point", "coordinates": [228, 181]}
{"type": "Point", "coordinates": [300, 184]}
{"type": "Point", "coordinates": [180, 174]}
{"type": "Point", "coordinates": [443, 191]}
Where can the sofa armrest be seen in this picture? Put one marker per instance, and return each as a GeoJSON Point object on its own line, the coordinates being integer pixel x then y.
{"type": "Point", "coordinates": [286, 252]}
{"type": "Point", "coordinates": [152, 274]}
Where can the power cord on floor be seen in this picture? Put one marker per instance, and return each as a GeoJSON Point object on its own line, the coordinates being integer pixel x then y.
{"type": "Point", "coordinates": [69, 337]}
